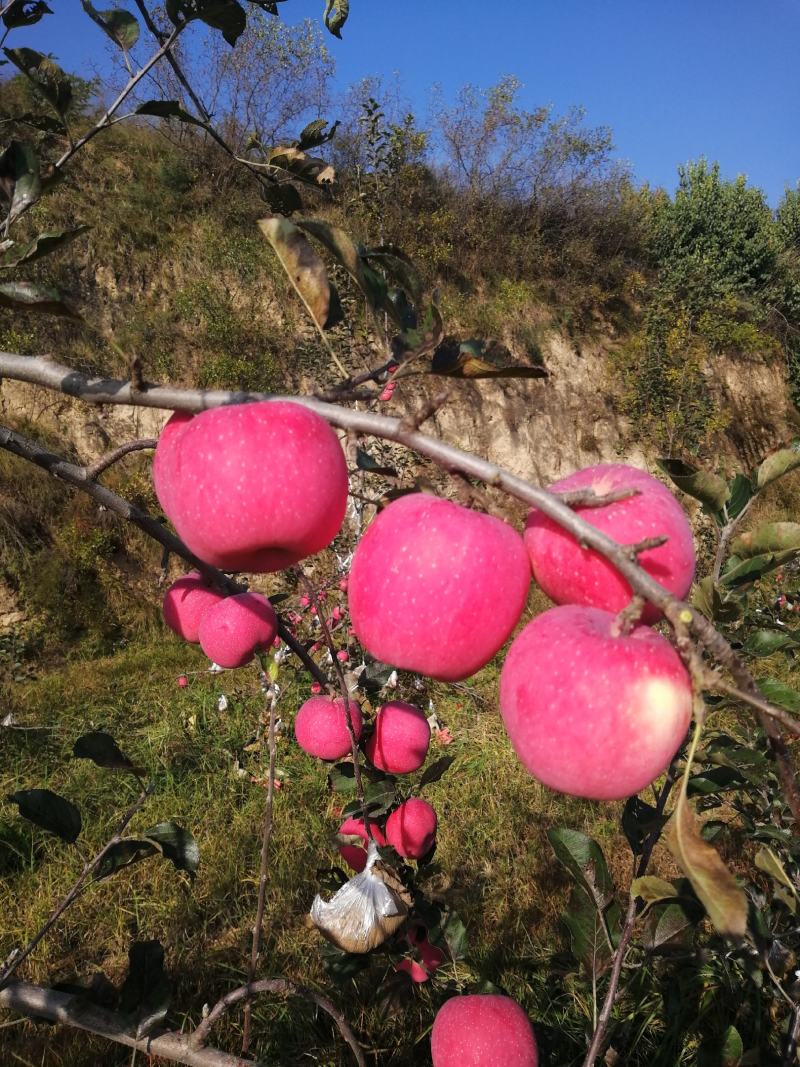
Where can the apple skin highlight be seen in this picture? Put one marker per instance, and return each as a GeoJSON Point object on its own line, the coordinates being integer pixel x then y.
{"type": "Point", "coordinates": [569, 574]}
{"type": "Point", "coordinates": [590, 712]}
{"type": "Point", "coordinates": [435, 588]}
{"type": "Point", "coordinates": [252, 487]}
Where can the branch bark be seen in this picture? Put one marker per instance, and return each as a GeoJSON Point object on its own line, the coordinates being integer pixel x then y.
{"type": "Point", "coordinates": [72, 1010]}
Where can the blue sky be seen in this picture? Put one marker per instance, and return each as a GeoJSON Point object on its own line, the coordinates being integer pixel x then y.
{"type": "Point", "coordinates": [674, 79]}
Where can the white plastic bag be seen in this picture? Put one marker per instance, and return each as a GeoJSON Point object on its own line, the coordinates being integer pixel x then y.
{"type": "Point", "coordinates": [367, 910]}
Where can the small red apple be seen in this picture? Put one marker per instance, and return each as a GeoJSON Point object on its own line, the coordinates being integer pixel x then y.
{"type": "Point", "coordinates": [252, 487]}
{"type": "Point", "coordinates": [411, 829]}
{"type": "Point", "coordinates": [591, 711]}
{"type": "Point", "coordinates": [354, 856]}
{"type": "Point", "coordinates": [483, 1030]}
{"type": "Point", "coordinates": [570, 574]}
{"type": "Point", "coordinates": [436, 588]}
{"type": "Point", "coordinates": [399, 742]}
{"type": "Point", "coordinates": [185, 603]}
{"type": "Point", "coordinates": [232, 631]}
{"type": "Point", "coordinates": [321, 730]}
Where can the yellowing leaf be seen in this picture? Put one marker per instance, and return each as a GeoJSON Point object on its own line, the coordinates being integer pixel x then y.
{"type": "Point", "coordinates": [304, 267]}
{"type": "Point", "coordinates": [714, 884]}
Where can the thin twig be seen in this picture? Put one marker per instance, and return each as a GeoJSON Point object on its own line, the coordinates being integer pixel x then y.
{"type": "Point", "coordinates": [110, 458]}
{"type": "Point", "coordinates": [18, 955]}
{"type": "Point", "coordinates": [263, 874]}
{"type": "Point", "coordinates": [282, 987]}
{"type": "Point", "coordinates": [779, 714]}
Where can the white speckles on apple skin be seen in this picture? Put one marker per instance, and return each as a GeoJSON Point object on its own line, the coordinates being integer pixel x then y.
{"type": "Point", "coordinates": [253, 487]}
{"type": "Point", "coordinates": [570, 574]}
{"type": "Point", "coordinates": [437, 588]}
{"type": "Point", "coordinates": [590, 713]}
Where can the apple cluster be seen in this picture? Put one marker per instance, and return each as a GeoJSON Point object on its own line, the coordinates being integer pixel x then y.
{"type": "Point", "coordinates": [593, 706]}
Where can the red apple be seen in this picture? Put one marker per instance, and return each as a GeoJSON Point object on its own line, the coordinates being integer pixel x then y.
{"type": "Point", "coordinates": [252, 487]}
{"type": "Point", "coordinates": [321, 730]}
{"type": "Point", "coordinates": [570, 574]}
{"type": "Point", "coordinates": [483, 1031]}
{"type": "Point", "coordinates": [354, 856]}
{"type": "Point", "coordinates": [185, 603]}
{"type": "Point", "coordinates": [232, 631]}
{"type": "Point", "coordinates": [399, 742]}
{"type": "Point", "coordinates": [411, 829]}
{"type": "Point", "coordinates": [435, 588]}
{"type": "Point", "coordinates": [591, 711]}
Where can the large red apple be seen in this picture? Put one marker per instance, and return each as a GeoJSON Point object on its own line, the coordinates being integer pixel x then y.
{"type": "Point", "coordinates": [321, 729]}
{"type": "Point", "coordinates": [185, 603]}
{"type": "Point", "coordinates": [411, 829]}
{"type": "Point", "coordinates": [252, 487]}
{"type": "Point", "coordinates": [435, 588]}
{"type": "Point", "coordinates": [570, 574]}
{"type": "Point", "coordinates": [591, 711]}
{"type": "Point", "coordinates": [399, 742]}
{"type": "Point", "coordinates": [483, 1030]}
{"type": "Point", "coordinates": [233, 630]}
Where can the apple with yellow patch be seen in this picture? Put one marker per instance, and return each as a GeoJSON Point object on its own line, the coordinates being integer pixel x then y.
{"type": "Point", "coordinates": [590, 709]}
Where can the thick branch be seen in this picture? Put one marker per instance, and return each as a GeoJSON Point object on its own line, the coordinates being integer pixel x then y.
{"type": "Point", "coordinates": [72, 1010]}
{"type": "Point", "coordinates": [282, 987]}
{"type": "Point", "coordinates": [51, 375]}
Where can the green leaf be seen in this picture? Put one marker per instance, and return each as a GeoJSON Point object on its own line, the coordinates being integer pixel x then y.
{"type": "Point", "coordinates": [713, 781]}
{"type": "Point", "coordinates": [120, 26]}
{"type": "Point", "coordinates": [25, 296]}
{"type": "Point", "coordinates": [639, 821]}
{"type": "Point", "coordinates": [49, 811]}
{"type": "Point", "coordinates": [123, 854]}
{"type": "Point", "coordinates": [365, 462]}
{"type": "Point", "coordinates": [398, 267]}
{"type": "Point", "coordinates": [304, 267]}
{"type": "Point", "coordinates": [227, 16]}
{"type": "Point", "coordinates": [771, 537]}
{"type": "Point", "coordinates": [336, 12]}
{"type": "Point", "coordinates": [102, 749]}
{"type": "Point", "coordinates": [723, 899]}
{"type": "Point", "coordinates": [176, 844]}
{"type": "Point", "coordinates": [732, 1048]}
{"type": "Point", "coordinates": [25, 13]}
{"type": "Point", "coordinates": [454, 360]}
{"type": "Point", "coordinates": [342, 778]}
{"type": "Point", "coordinates": [315, 134]}
{"type": "Point", "coordinates": [585, 861]}
{"type": "Point", "coordinates": [46, 75]}
{"type": "Point", "coordinates": [780, 693]}
{"type": "Point", "coordinates": [708, 488]}
{"type": "Point", "coordinates": [436, 771]}
{"type": "Point", "coordinates": [742, 572]}
{"type": "Point", "coordinates": [666, 926]}
{"type": "Point", "coordinates": [43, 245]}
{"type": "Point", "coordinates": [147, 991]}
{"type": "Point", "coordinates": [587, 933]}
{"type": "Point", "coordinates": [741, 494]}
{"type": "Point", "coordinates": [767, 642]}
{"type": "Point", "coordinates": [706, 598]}
{"type": "Point", "coordinates": [455, 935]}
{"type": "Point", "coordinates": [283, 199]}
{"type": "Point", "coordinates": [168, 109]}
{"type": "Point", "coordinates": [776, 465]}
{"type": "Point", "coordinates": [651, 889]}
{"type": "Point", "coordinates": [423, 339]}
{"type": "Point", "coordinates": [20, 183]}
{"type": "Point", "coordinates": [767, 861]}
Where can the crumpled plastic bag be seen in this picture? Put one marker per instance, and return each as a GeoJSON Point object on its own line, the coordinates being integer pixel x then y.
{"type": "Point", "coordinates": [367, 910]}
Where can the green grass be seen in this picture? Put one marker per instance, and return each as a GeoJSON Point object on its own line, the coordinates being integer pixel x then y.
{"type": "Point", "coordinates": [493, 863]}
